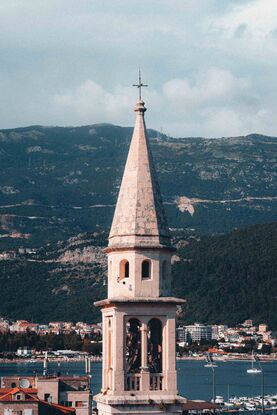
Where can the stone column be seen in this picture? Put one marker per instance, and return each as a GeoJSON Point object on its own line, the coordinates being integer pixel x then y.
{"type": "Point", "coordinates": [171, 381]}
{"type": "Point", "coordinates": [119, 352]}
{"type": "Point", "coordinates": [104, 353]}
{"type": "Point", "coordinates": [145, 381]}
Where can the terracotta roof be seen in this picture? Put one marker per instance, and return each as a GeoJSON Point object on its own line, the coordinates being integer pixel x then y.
{"type": "Point", "coordinates": [139, 218]}
{"type": "Point", "coordinates": [3, 391]}
{"type": "Point", "coordinates": [6, 394]}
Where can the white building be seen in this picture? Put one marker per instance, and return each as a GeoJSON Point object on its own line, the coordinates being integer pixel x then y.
{"type": "Point", "coordinates": [198, 332]}
{"type": "Point", "coordinates": [24, 352]}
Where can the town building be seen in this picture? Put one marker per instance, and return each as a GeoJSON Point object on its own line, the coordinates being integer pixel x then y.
{"type": "Point", "coordinates": [262, 328]}
{"type": "Point", "coordinates": [4, 325]}
{"type": "Point", "coordinates": [218, 331]}
{"type": "Point", "coordinates": [139, 367]}
{"type": "Point", "coordinates": [22, 326]}
{"type": "Point", "coordinates": [248, 323]}
{"type": "Point", "coordinates": [24, 352]}
{"type": "Point", "coordinates": [66, 391]}
{"type": "Point", "coordinates": [181, 335]}
{"type": "Point", "coordinates": [198, 332]}
{"type": "Point", "coordinates": [24, 401]}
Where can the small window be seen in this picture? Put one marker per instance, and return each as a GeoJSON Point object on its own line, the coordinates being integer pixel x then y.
{"type": "Point", "coordinates": [123, 269]}
{"type": "Point", "coordinates": [47, 397]}
{"type": "Point", "coordinates": [146, 270]}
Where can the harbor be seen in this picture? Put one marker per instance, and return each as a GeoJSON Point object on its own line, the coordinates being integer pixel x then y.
{"type": "Point", "coordinates": [236, 388]}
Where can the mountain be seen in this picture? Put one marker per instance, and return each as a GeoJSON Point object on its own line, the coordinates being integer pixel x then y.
{"type": "Point", "coordinates": [58, 282]}
{"type": "Point", "coordinates": [230, 278]}
{"type": "Point", "coordinates": [224, 278]}
{"type": "Point", "coordinates": [58, 182]}
{"type": "Point", "coordinates": [58, 189]}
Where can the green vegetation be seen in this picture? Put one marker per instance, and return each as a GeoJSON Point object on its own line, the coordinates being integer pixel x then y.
{"type": "Point", "coordinates": [58, 182]}
{"type": "Point", "coordinates": [229, 278]}
{"type": "Point", "coordinates": [225, 279]}
{"type": "Point", "coordinates": [10, 342]}
{"type": "Point", "coordinates": [57, 194]}
{"type": "Point", "coordinates": [30, 291]}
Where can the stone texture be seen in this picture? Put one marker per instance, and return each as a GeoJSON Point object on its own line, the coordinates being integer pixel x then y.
{"type": "Point", "coordinates": [139, 233]}
{"type": "Point", "coordinates": [139, 218]}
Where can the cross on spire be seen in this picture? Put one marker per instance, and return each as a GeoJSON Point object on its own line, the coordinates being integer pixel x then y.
{"type": "Point", "coordinates": [140, 85]}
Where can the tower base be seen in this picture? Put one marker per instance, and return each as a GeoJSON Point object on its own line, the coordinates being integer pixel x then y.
{"type": "Point", "coordinates": [142, 405]}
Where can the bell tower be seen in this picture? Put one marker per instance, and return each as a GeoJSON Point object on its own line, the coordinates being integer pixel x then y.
{"type": "Point", "coordinates": [139, 373]}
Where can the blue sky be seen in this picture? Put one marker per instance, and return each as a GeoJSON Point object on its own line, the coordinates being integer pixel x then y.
{"type": "Point", "coordinates": [211, 65]}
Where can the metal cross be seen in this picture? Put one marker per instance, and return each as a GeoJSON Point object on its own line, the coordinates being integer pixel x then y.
{"type": "Point", "coordinates": [140, 85]}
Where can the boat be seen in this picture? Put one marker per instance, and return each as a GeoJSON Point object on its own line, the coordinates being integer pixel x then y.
{"type": "Point", "coordinates": [219, 399]}
{"type": "Point", "coordinates": [210, 362]}
{"type": "Point", "coordinates": [253, 370]}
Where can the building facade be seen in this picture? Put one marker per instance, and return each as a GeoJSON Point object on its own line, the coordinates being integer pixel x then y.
{"type": "Point", "coordinates": [22, 401]}
{"type": "Point", "coordinates": [67, 391]}
{"type": "Point", "coordinates": [198, 332]}
{"type": "Point", "coordinates": [139, 373]}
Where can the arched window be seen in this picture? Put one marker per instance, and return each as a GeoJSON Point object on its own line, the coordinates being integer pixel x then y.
{"type": "Point", "coordinates": [164, 270]}
{"type": "Point", "coordinates": [146, 270]}
{"type": "Point", "coordinates": [123, 269]}
{"type": "Point", "coordinates": [133, 346]}
{"type": "Point", "coordinates": [154, 347]}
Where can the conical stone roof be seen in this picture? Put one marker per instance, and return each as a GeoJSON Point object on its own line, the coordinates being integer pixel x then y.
{"type": "Point", "coordinates": [139, 218]}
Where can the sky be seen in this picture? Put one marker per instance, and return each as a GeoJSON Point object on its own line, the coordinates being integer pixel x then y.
{"type": "Point", "coordinates": [211, 65]}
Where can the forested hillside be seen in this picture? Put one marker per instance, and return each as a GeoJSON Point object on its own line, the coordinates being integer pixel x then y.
{"type": "Point", "coordinates": [229, 278]}
{"type": "Point", "coordinates": [225, 279]}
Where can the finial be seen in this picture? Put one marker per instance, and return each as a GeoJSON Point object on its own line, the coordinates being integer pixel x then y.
{"type": "Point", "coordinates": [140, 85]}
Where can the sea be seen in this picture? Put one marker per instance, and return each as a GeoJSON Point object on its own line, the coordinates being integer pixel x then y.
{"type": "Point", "coordinates": [195, 381]}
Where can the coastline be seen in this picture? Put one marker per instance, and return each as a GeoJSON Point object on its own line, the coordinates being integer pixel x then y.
{"type": "Point", "coordinates": [223, 359]}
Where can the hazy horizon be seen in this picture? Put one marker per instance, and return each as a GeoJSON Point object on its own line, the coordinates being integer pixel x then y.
{"type": "Point", "coordinates": [210, 65]}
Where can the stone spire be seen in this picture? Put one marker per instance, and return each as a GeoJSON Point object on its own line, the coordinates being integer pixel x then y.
{"type": "Point", "coordinates": [139, 218]}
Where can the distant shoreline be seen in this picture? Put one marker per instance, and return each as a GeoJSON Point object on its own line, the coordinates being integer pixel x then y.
{"type": "Point", "coordinates": [230, 359]}
{"type": "Point", "coordinates": [224, 359]}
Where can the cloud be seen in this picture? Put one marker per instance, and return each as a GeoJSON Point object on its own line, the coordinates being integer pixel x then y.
{"type": "Point", "coordinates": [90, 103]}
{"type": "Point", "coordinates": [257, 19]}
{"type": "Point", "coordinates": [213, 85]}
{"type": "Point", "coordinates": [213, 103]}
{"type": "Point", "coordinates": [210, 65]}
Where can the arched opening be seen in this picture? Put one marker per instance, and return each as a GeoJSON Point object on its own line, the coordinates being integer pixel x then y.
{"type": "Point", "coordinates": [124, 269]}
{"type": "Point", "coordinates": [146, 270]}
{"type": "Point", "coordinates": [133, 346]}
{"type": "Point", "coordinates": [154, 347]}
